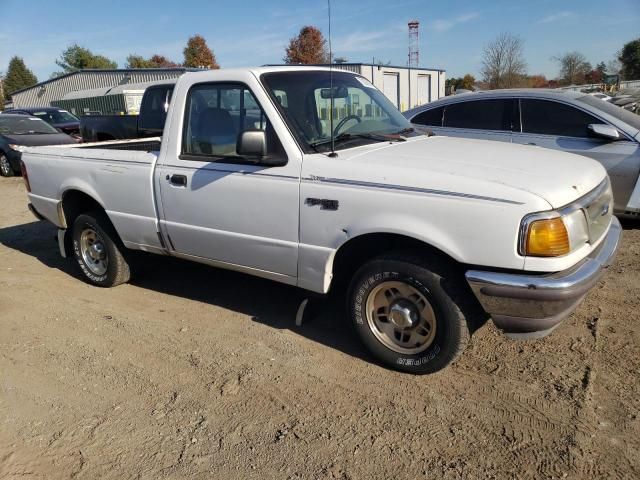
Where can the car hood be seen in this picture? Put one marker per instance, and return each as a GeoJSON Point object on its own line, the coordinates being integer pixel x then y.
{"type": "Point", "coordinates": [477, 167]}
{"type": "Point", "coordinates": [40, 139]}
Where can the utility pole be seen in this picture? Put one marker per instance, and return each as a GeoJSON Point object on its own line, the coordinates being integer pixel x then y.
{"type": "Point", "coordinates": [1, 91]}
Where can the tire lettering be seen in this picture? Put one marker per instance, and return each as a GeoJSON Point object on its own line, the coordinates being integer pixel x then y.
{"type": "Point", "coordinates": [416, 362]}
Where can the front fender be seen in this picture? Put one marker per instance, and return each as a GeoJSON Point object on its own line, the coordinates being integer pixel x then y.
{"type": "Point", "coordinates": [412, 226]}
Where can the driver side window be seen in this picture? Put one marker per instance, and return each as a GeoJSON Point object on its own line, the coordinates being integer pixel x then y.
{"type": "Point", "coordinates": [216, 114]}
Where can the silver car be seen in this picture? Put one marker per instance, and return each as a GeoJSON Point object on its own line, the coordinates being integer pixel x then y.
{"type": "Point", "coordinates": [570, 121]}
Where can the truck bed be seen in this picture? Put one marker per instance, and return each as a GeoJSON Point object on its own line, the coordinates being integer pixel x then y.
{"type": "Point", "coordinates": [117, 174]}
{"type": "Point", "coordinates": [138, 144]}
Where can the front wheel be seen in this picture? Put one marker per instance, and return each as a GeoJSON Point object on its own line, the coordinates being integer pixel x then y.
{"type": "Point", "coordinates": [6, 170]}
{"type": "Point", "coordinates": [98, 250]}
{"type": "Point", "coordinates": [407, 313]}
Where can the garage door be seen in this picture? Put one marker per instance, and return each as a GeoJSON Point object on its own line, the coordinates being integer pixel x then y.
{"type": "Point", "coordinates": [390, 87]}
{"type": "Point", "coordinates": [424, 89]}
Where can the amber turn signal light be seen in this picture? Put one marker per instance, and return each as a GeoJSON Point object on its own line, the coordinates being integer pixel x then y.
{"type": "Point", "coordinates": [547, 238]}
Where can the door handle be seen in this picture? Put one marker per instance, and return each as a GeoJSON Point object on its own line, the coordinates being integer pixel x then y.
{"type": "Point", "coordinates": [177, 180]}
{"type": "Point", "coordinates": [531, 143]}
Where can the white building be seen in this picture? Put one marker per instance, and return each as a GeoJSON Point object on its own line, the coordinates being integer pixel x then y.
{"type": "Point", "coordinates": [406, 87]}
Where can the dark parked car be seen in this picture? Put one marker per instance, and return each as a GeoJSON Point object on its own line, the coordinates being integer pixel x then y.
{"type": "Point", "coordinates": [573, 122]}
{"type": "Point", "coordinates": [56, 117]}
{"type": "Point", "coordinates": [21, 130]}
{"type": "Point", "coordinates": [149, 123]}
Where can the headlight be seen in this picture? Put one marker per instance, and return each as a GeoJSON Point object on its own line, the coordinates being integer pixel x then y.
{"type": "Point", "coordinates": [551, 234]}
{"type": "Point", "coordinates": [15, 147]}
{"type": "Point", "coordinates": [577, 228]}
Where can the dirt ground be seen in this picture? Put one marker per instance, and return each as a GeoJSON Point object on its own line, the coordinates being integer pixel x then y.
{"type": "Point", "coordinates": [193, 372]}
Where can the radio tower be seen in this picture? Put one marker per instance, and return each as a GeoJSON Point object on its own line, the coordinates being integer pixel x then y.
{"type": "Point", "coordinates": [414, 44]}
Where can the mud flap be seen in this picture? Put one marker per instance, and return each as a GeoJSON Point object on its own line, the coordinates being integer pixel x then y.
{"type": "Point", "coordinates": [61, 236]}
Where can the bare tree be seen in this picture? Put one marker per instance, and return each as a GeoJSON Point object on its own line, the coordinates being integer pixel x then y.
{"type": "Point", "coordinates": [613, 67]}
{"type": "Point", "coordinates": [574, 67]}
{"type": "Point", "coordinates": [503, 64]}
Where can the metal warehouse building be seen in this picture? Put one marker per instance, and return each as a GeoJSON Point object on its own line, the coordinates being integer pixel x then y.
{"type": "Point", "coordinates": [43, 93]}
{"type": "Point", "coordinates": [406, 87]}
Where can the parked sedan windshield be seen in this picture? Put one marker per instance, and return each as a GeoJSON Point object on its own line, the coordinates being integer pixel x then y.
{"type": "Point", "coordinates": [361, 113]}
{"type": "Point", "coordinates": [24, 126]}
{"type": "Point", "coordinates": [56, 116]}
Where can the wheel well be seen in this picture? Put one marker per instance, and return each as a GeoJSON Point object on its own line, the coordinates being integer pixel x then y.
{"type": "Point", "coordinates": [355, 252]}
{"type": "Point", "coordinates": [75, 202]}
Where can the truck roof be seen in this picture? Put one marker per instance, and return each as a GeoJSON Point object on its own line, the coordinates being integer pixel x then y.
{"type": "Point", "coordinates": [269, 69]}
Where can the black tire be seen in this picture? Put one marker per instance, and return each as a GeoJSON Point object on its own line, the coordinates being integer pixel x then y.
{"type": "Point", "coordinates": [433, 280]}
{"type": "Point", "coordinates": [6, 170]}
{"type": "Point", "coordinates": [116, 267]}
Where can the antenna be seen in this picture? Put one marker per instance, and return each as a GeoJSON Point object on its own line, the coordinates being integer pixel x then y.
{"type": "Point", "coordinates": [333, 145]}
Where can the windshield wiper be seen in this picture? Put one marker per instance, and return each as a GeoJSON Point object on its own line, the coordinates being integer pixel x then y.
{"type": "Point", "coordinates": [378, 137]}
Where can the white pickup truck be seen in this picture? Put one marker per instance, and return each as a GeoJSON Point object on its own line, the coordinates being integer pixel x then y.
{"type": "Point", "coordinates": [432, 234]}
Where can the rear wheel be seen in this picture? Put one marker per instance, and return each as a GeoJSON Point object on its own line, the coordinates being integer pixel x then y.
{"type": "Point", "coordinates": [6, 170]}
{"type": "Point", "coordinates": [98, 250]}
{"type": "Point", "coordinates": [408, 313]}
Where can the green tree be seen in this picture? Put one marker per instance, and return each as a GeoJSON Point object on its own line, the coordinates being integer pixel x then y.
{"type": "Point", "coordinates": [137, 61]}
{"type": "Point", "coordinates": [76, 58]}
{"type": "Point", "coordinates": [198, 55]}
{"type": "Point", "coordinates": [155, 61]}
{"type": "Point", "coordinates": [308, 47]}
{"type": "Point", "coordinates": [468, 81]}
{"type": "Point", "coordinates": [629, 57]}
{"type": "Point", "coordinates": [18, 77]}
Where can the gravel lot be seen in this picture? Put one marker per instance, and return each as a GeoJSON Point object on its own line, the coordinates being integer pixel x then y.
{"type": "Point", "coordinates": [195, 372]}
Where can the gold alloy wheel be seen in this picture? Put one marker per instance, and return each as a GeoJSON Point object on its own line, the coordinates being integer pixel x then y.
{"type": "Point", "coordinates": [401, 317]}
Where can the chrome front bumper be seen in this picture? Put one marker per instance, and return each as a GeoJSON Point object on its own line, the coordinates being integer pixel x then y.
{"type": "Point", "coordinates": [529, 305]}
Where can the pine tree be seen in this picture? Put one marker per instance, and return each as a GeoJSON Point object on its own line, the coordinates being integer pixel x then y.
{"type": "Point", "coordinates": [18, 77]}
{"type": "Point", "coordinates": [76, 58]}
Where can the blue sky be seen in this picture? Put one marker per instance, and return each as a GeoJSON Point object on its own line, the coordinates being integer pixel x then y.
{"type": "Point", "coordinates": [255, 32]}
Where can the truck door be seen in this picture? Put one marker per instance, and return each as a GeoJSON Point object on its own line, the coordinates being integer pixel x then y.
{"type": "Point", "coordinates": [217, 205]}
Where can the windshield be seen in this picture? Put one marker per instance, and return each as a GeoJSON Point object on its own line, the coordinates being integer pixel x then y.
{"type": "Point", "coordinates": [56, 116]}
{"type": "Point", "coordinates": [361, 113]}
{"type": "Point", "coordinates": [615, 111]}
{"type": "Point", "coordinates": [24, 126]}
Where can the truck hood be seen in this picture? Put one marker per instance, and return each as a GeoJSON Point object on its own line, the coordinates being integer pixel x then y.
{"type": "Point", "coordinates": [479, 167]}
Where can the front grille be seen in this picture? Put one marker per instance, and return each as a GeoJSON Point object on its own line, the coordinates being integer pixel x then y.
{"type": "Point", "coordinates": [598, 211]}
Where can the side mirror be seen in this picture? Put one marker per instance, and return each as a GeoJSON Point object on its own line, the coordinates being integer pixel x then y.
{"type": "Point", "coordinates": [604, 131]}
{"type": "Point", "coordinates": [252, 143]}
